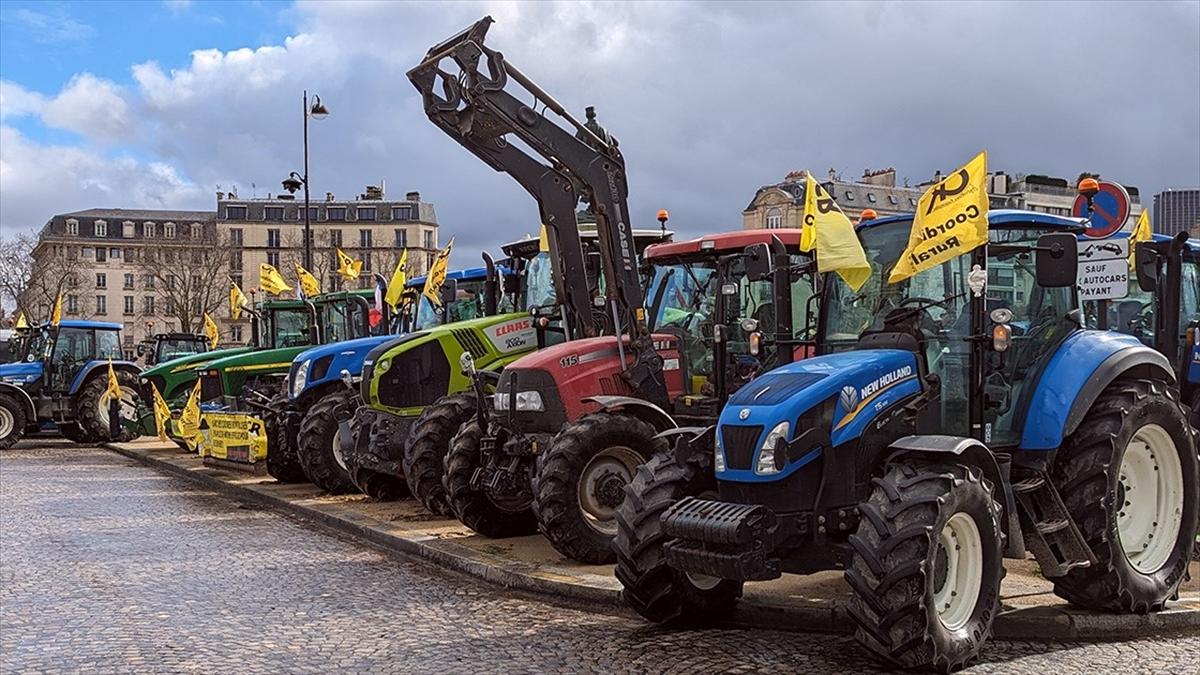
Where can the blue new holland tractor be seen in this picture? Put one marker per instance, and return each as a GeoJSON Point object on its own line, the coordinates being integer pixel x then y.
{"type": "Point", "coordinates": [62, 379]}
{"type": "Point", "coordinates": [954, 419]}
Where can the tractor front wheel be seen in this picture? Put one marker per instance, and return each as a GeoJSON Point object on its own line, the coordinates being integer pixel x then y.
{"type": "Point", "coordinates": [580, 482]}
{"type": "Point", "coordinates": [472, 505]}
{"type": "Point", "coordinates": [92, 406]}
{"type": "Point", "coordinates": [317, 438]}
{"type": "Point", "coordinates": [653, 588]}
{"type": "Point", "coordinates": [927, 565]}
{"type": "Point", "coordinates": [282, 463]}
{"type": "Point", "coordinates": [1129, 478]}
{"type": "Point", "coordinates": [384, 435]}
{"type": "Point", "coordinates": [427, 444]}
{"type": "Point", "coordinates": [12, 420]}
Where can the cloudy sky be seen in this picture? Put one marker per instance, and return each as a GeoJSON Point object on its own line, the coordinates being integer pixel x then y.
{"type": "Point", "coordinates": [147, 105]}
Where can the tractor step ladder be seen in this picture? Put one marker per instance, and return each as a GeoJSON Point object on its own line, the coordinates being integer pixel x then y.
{"type": "Point", "coordinates": [1048, 528]}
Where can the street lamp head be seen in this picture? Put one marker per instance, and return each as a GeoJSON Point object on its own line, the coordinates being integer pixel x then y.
{"type": "Point", "coordinates": [317, 110]}
{"type": "Point", "coordinates": [292, 183]}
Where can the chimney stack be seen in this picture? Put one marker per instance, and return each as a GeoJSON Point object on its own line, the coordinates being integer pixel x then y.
{"type": "Point", "coordinates": [412, 197]}
{"type": "Point", "coordinates": [220, 195]}
{"type": "Point", "coordinates": [328, 196]}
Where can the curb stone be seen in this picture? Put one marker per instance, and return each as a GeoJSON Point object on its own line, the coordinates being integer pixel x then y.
{"type": "Point", "coordinates": [1058, 622]}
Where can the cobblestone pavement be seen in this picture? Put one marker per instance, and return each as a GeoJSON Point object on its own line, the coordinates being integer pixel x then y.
{"type": "Point", "coordinates": [106, 566]}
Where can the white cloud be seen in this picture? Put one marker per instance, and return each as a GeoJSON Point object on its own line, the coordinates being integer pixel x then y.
{"type": "Point", "coordinates": [17, 101]}
{"type": "Point", "coordinates": [50, 28]}
{"type": "Point", "coordinates": [92, 107]}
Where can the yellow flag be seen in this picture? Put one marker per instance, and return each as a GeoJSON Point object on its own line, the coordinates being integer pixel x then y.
{"type": "Point", "coordinates": [189, 419]}
{"type": "Point", "coordinates": [114, 386]}
{"type": "Point", "coordinates": [308, 283]}
{"type": "Point", "coordinates": [951, 219]}
{"type": "Point", "coordinates": [348, 267]}
{"type": "Point", "coordinates": [1141, 232]}
{"type": "Point", "coordinates": [211, 330]}
{"type": "Point", "coordinates": [270, 280]}
{"type": "Point", "coordinates": [831, 233]}
{"type": "Point", "coordinates": [21, 322]}
{"type": "Point", "coordinates": [395, 288]}
{"type": "Point", "coordinates": [543, 241]}
{"type": "Point", "coordinates": [56, 316]}
{"type": "Point", "coordinates": [437, 274]}
{"type": "Point", "coordinates": [162, 413]}
{"type": "Point", "coordinates": [237, 300]}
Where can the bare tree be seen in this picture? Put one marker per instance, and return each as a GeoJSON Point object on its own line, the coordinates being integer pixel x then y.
{"type": "Point", "coordinates": [16, 269]}
{"type": "Point", "coordinates": [190, 278]}
{"type": "Point", "coordinates": [34, 278]}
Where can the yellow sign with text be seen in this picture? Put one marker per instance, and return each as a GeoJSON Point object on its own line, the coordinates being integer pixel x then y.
{"type": "Point", "coordinates": [951, 220]}
{"type": "Point", "coordinates": [234, 437]}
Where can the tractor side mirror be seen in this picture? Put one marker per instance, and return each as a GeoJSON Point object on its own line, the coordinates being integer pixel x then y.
{"type": "Point", "coordinates": [449, 292]}
{"type": "Point", "coordinates": [1057, 256]}
{"type": "Point", "coordinates": [141, 349]}
{"type": "Point", "coordinates": [1145, 262]}
{"type": "Point", "coordinates": [758, 262]}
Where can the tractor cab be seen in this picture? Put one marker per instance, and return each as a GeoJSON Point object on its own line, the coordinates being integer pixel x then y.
{"type": "Point", "coordinates": [68, 349]}
{"type": "Point", "coordinates": [165, 347]}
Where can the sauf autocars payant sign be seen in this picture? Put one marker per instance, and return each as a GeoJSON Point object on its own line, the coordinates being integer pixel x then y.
{"type": "Point", "coordinates": [1103, 268]}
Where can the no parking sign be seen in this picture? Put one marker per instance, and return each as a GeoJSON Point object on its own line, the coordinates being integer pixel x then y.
{"type": "Point", "coordinates": [1111, 210]}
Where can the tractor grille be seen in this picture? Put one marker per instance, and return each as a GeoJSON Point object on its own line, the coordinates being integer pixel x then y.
{"type": "Point", "coordinates": [739, 443]}
{"type": "Point", "coordinates": [470, 341]}
{"type": "Point", "coordinates": [614, 386]}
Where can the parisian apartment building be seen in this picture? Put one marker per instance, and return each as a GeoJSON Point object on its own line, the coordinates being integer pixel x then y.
{"type": "Point", "coordinates": [1177, 211]}
{"type": "Point", "coordinates": [136, 267]}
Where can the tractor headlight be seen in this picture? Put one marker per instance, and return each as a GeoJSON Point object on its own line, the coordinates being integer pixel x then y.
{"type": "Point", "coordinates": [766, 454]}
{"type": "Point", "coordinates": [301, 378]}
{"type": "Point", "coordinates": [500, 401]}
{"type": "Point", "coordinates": [529, 401]}
{"type": "Point", "coordinates": [718, 453]}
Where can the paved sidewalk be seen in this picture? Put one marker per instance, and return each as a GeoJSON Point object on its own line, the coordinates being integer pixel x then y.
{"type": "Point", "coordinates": [812, 602]}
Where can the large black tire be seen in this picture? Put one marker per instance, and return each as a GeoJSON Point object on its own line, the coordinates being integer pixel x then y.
{"type": "Point", "coordinates": [653, 588]}
{"type": "Point", "coordinates": [902, 561]}
{"type": "Point", "coordinates": [13, 418]}
{"type": "Point", "coordinates": [75, 433]}
{"type": "Point", "coordinates": [1088, 475]}
{"type": "Point", "coordinates": [427, 444]}
{"type": "Point", "coordinates": [314, 446]}
{"type": "Point", "coordinates": [604, 449]}
{"type": "Point", "coordinates": [473, 507]}
{"type": "Point", "coordinates": [92, 408]}
{"type": "Point", "coordinates": [283, 464]}
{"type": "Point", "coordinates": [385, 437]}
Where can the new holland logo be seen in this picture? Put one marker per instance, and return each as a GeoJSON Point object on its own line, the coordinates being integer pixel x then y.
{"type": "Point", "coordinates": [849, 398]}
{"type": "Point", "coordinates": [743, 413]}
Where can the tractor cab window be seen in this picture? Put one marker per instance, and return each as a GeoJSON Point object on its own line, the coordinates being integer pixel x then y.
{"type": "Point", "coordinates": [1189, 299]}
{"type": "Point", "coordinates": [108, 345]}
{"type": "Point", "coordinates": [468, 300]}
{"type": "Point", "coordinates": [335, 320]}
{"type": "Point", "coordinates": [539, 284]}
{"type": "Point", "coordinates": [427, 315]}
{"type": "Point", "coordinates": [289, 328]}
{"type": "Point", "coordinates": [73, 347]}
{"type": "Point", "coordinates": [173, 348]}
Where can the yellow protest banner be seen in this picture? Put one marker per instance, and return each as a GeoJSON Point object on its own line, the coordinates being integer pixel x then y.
{"type": "Point", "coordinates": [114, 386]}
{"type": "Point", "coordinates": [270, 280]}
{"type": "Point", "coordinates": [308, 283]}
{"type": "Point", "coordinates": [189, 419]}
{"type": "Point", "coordinates": [827, 229]}
{"type": "Point", "coordinates": [56, 315]}
{"type": "Point", "coordinates": [437, 275]}
{"type": "Point", "coordinates": [235, 437]}
{"type": "Point", "coordinates": [395, 288]}
{"type": "Point", "coordinates": [348, 267]}
{"type": "Point", "coordinates": [237, 300]}
{"type": "Point", "coordinates": [951, 220]}
{"type": "Point", "coordinates": [1141, 232]}
{"type": "Point", "coordinates": [211, 330]}
{"type": "Point", "coordinates": [162, 414]}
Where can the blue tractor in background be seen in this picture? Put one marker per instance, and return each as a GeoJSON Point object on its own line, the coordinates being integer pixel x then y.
{"type": "Point", "coordinates": [949, 423]}
{"type": "Point", "coordinates": [62, 379]}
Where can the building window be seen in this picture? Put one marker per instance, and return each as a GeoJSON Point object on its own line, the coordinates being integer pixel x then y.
{"type": "Point", "coordinates": [912, 202]}
{"type": "Point", "coordinates": [429, 242]}
{"type": "Point", "coordinates": [101, 254]}
{"type": "Point", "coordinates": [196, 230]}
{"type": "Point", "coordinates": [114, 253]}
{"type": "Point", "coordinates": [235, 333]}
{"type": "Point", "coordinates": [367, 262]}
{"type": "Point", "coordinates": [171, 281]}
{"type": "Point", "coordinates": [335, 238]}
{"type": "Point", "coordinates": [892, 200]}
{"type": "Point", "coordinates": [849, 196]}
{"type": "Point", "coordinates": [335, 213]}
{"type": "Point", "coordinates": [73, 281]}
{"type": "Point", "coordinates": [401, 239]}
{"type": "Point", "coordinates": [366, 213]}
{"type": "Point", "coordinates": [364, 239]}
{"type": "Point", "coordinates": [101, 304]}
{"type": "Point", "coordinates": [101, 280]}
{"type": "Point", "coordinates": [235, 261]}
{"type": "Point", "coordinates": [147, 229]}
{"type": "Point", "coordinates": [128, 281]}
{"type": "Point", "coordinates": [89, 252]}
{"type": "Point", "coordinates": [129, 304]}
{"type": "Point", "coordinates": [101, 228]}
{"type": "Point", "coordinates": [72, 304]}
{"type": "Point", "coordinates": [148, 305]}
{"type": "Point", "coordinates": [235, 236]}
{"type": "Point", "coordinates": [235, 212]}
{"type": "Point", "coordinates": [774, 219]}
{"type": "Point", "coordinates": [273, 238]}
{"type": "Point", "coordinates": [273, 259]}
{"type": "Point", "coordinates": [170, 306]}
{"type": "Point", "coordinates": [314, 214]}
{"type": "Point", "coordinates": [273, 213]}
{"type": "Point", "coordinates": [871, 197]}
{"type": "Point", "coordinates": [149, 281]}
{"type": "Point", "coordinates": [402, 212]}
{"type": "Point", "coordinates": [237, 279]}
{"type": "Point", "coordinates": [169, 230]}
{"type": "Point", "coordinates": [127, 229]}
{"type": "Point", "coordinates": [72, 227]}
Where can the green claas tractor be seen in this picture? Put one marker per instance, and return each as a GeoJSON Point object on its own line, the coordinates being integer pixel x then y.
{"type": "Point", "coordinates": [946, 426]}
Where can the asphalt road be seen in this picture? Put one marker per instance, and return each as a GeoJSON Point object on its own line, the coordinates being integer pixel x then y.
{"type": "Point", "coordinates": [109, 566]}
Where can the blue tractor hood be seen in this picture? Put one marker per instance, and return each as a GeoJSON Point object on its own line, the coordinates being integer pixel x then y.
{"type": "Point", "coordinates": [836, 396]}
{"type": "Point", "coordinates": [326, 362]}
{"type": "Point", "coordinates": [21, 373]}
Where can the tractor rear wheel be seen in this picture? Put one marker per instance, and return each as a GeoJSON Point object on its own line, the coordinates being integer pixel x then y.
{"type": "Point", "coordinates": [316, 440]}
{"type": "Point", "coordinates": [653, 588]}
{"type": "Point", "coordinates": [13, 418]}
{"type": "Point", "coordinates": [427, 444]}
{"type": "Point", "coordinates": [73, 432]}
{"type": "Point", "coordinates": [1129, 478]}
{"type": "Point", "coordinates": [92, 406]}
{"type": "Point", "coordinates": [927, 565]}
{"type": "Point", "coordinates": [473, 506]}
{"type": "Point", "coordinates": [580, 482]}
{"type": "Point", "coordinates": [282, 463]}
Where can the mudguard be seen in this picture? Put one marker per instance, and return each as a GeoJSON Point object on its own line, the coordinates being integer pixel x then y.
{"type": "Point", "coordinates": [1085, 363]}
{"type": "Point", "coordinates": [646, 411]}
{"type": "Point", "coordinates": [21, 395]}
{"type": "Point", "coordinates": [86, 371]}
{"type": "Point", "coordinates": [972, 452]}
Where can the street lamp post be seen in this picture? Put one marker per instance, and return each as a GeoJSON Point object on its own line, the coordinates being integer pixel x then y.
{"type": "Point", "coordinates": [293, 182]}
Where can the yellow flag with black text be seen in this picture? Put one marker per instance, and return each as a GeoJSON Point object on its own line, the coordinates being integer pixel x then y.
{"type": "Point", "coordinates": [543, 241]}
{"type": "Point", "coordinates": [21, 322]}
{"type": "Point", "coordinates": [211, 330]}
{"type": "Point", "coordinates": [827, 229]}
{"type": "Point", "coordinates": [348, 267]}
{"type": "Point", "coordinates": [56, 315]}
{"type": "Point", "coordinates": [162, 413]}
{"type": "Point", "coordinates": [1141, 232]}
{"type": "Point", "coordinates": [270, 280]}
{"type": "Point", "coordinates": [308, 283]}
{"type": "Point", "coordinates": [437, 275]}
{"type": "Point", "coordinates": [237, 300]}
{"type": "Point", "coordinates": [395, 288]}
{"type": "Point", "coordinates": [113, 390]}
{"type": "Point", "coordinates": [189, 419]}
{"type": "Point", "coordinates": [951, 220]}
